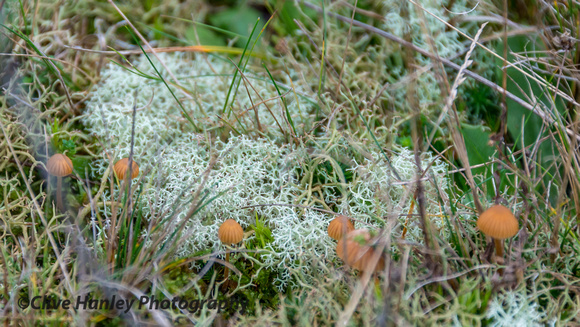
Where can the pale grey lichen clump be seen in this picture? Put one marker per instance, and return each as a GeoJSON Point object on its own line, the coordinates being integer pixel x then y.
{"type": "Point", "coordinates": [248, 171]}
{"type": "Point", "coordinates": [405, 17]}
{"type": "Point", "coordinates": [109, 111]}
{"type": "Point", "coordinates": [514, 309]}
{"type": "Point", "coordinates": [298, 236]}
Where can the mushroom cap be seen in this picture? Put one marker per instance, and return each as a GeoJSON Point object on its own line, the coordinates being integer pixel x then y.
{"type": "Point", "coordinates": [358, 256]}
{"type": "Point", "coordinates": [230, 232]}
{"type": "Point", "coordinates": [121, 168]}
{"type": "Point", "coordinates": [59, 165]}
{"type": "Point", "coordinates": [339, 226]}
{"type": "Point", "coordinates": [498, 222]}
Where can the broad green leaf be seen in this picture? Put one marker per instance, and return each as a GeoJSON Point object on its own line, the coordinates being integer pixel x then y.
{"type": "Point", "coordinates": [239, 20]}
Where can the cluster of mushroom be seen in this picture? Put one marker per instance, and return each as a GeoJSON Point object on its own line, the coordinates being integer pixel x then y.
{"type": "Point", "coordinates": [353, 245]}
{"type": "Point", "coordinates": [59, 165]}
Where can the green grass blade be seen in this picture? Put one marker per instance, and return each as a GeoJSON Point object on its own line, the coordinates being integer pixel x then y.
{"type": "Point", "coordinates": [164, 82]}
{"type": "Point", "coordinates": [210, 27]}
{"type": "Point", "coordinates": [290, 121]}
{"type": "Point", "coordinates": [236, 70]}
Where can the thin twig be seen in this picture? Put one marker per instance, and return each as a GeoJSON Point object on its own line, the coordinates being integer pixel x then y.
{"type": "Point", "coordinates": [345, 49]}
{"type": "Point", "coordinates": [446, 62]}
{"type": "Point", "coordinates": [144, 40]}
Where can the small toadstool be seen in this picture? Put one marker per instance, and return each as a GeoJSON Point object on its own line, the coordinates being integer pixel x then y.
{"type": "Point", "coordinates": [60, 166]}
{"type": "Point", "coordinates": [230, 232]}
{"type": "Point", "coordinates": [499, 223]}
{"type": "Point", "coordinates": [356, 252]}
{"type": "Point", "coordinates": [121, 169]}
{"type": "Point", "coordinates": [340, 226]}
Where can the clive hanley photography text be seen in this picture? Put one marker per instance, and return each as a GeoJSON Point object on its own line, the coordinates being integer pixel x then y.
{"type": "Point", "coordinates": [125, 305]}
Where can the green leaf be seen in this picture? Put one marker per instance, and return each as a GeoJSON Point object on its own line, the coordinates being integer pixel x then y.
{"type": "Point", "coordinates": [69, 146]}
{"type": "Point", "coordinates": [205, 35]}
{"type": "Point", "coordinates": [522, 124]}
{"type": "Point", "coordinates": [80, 163]}
{"type": "Point", "coordinates": [238, 20]}
{"type": "Point", "coordinates": [518, 82]}
{"type": "Point", "coordinates": [476, 141]}
{"type": "Point", "coordinates": [478, 150]}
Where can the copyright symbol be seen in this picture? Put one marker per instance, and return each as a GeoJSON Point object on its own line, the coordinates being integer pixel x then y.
{"type": "Point", "coordinates": [23, 303]}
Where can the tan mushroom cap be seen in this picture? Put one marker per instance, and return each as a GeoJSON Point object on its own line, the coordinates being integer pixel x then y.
{"type": "Point", "coordinates": [230, 232]}
{"type": "Point", "coordinates": [339, 226]}
{"type": "Point", "coordinates": [498, 222]}
{"type": "Point", "coordinates": [358, 256]}
{"type": "Point", "coordinates": [121, 168]}
{"type": "Point", "coordinates": [59, 165]}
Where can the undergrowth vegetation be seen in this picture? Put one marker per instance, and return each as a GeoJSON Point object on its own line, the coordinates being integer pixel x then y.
{"type": "Point", "coordinates": [411, 118]}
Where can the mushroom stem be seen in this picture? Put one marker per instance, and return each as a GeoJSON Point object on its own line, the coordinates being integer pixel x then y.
{"type": "Point", "coordinates": [59, 204]}
{"type": "Point", "coordinates": [498, 247]}
{"type": "Point", "coordinates": [227, 271]}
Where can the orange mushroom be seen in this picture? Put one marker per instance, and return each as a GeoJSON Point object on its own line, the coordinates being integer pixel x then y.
{"type": "Point", "coordinates": [230, 232]}
{"type": "Point", "coordinates": [60, 166]}
{"type": "Point", "coordinates": [340, 226]}
{"type": "Point", "coordinates": [356, 252]}
{"type": "Point", "coordinates": [121, 168]}
{"type": "Point", "coordinates": [499, 223]}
